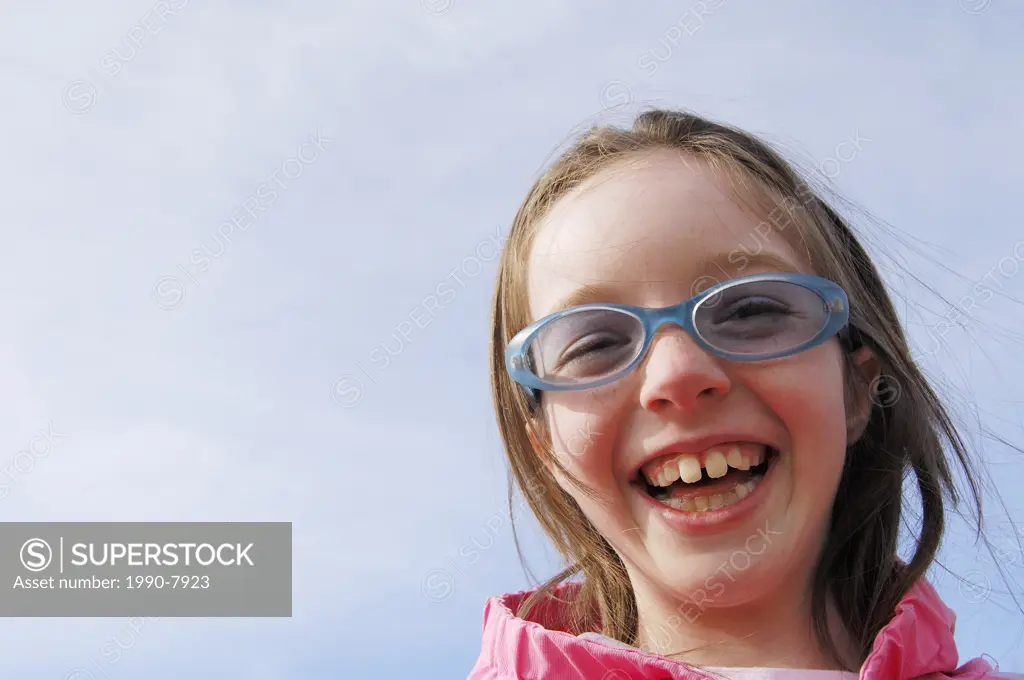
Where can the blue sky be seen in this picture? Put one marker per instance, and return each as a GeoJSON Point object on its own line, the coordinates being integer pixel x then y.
{"type": "Point", "coordinates": [248, 385]}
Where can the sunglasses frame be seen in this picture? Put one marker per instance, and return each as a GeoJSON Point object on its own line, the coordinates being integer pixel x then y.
{"type": "Point", "coordinates": [832, 295]}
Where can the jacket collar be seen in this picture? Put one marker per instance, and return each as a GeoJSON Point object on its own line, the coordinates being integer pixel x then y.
{"type": "Point", "coordinates": [917, 642]}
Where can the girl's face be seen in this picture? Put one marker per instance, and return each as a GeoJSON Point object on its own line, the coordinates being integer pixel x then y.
{"type": "Point", "coordinates": [654, 232]}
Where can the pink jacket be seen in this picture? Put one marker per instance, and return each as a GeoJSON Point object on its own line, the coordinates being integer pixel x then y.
{"type": "Point", "coordinates": [917, 643]}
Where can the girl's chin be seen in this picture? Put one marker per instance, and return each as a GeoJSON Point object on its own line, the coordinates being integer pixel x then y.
{"type": "Point", "coordinates": [721, 580]}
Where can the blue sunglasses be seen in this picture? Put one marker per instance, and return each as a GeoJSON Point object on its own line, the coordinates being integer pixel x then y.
{"type": "Point", "coordinates": [754, 318]}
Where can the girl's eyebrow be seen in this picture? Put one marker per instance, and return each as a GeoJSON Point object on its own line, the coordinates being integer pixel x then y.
{"type": "Point", "coordinates": [726, 263]}
{"type": "Point", "coordinates": [586, 294]}
{"type": "Point", "coordinates": [718, 266]}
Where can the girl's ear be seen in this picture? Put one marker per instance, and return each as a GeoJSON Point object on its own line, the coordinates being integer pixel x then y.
{"type": "Point", "coordinates": [869, 368]}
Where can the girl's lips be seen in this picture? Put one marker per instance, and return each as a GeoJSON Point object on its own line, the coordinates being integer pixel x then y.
{"type": "Point", "coordinates": [697, 523]}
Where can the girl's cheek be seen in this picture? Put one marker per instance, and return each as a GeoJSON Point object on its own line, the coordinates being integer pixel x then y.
{"type": "Point", "coordinates": [811, 406]}
{"type": "Point", "coordinates": [583, 443]}
{"type": "Point", "coordinates": [581, 426]}
{"type": "Point", "coordinates": [577, 443]}
{"type": "Point", "coordinates": [812, 388]}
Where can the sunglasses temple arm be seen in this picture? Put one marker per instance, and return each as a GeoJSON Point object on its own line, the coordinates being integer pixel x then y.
{"type": "Point", "coordinates": [532, 398]}
{"type": "Point", "coordinates": [851, 337]}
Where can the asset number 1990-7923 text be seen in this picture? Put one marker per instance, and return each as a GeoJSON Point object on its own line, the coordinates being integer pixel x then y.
{"type": "Point", "coordinates": [190, 582]}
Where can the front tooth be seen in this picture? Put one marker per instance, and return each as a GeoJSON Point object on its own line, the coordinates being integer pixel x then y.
{"type": "Point", "coordinates": [689, 469]}
{"type": "Point", "coordinates": [715, 465]}
{"type": "Point", "coordinates": [736, 459]}
{"type": "Point", "coordinates": [701, 502]}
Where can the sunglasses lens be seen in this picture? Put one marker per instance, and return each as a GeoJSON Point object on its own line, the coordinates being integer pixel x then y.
{"type": "Point", "coordinates": [761, 317]}
{"type": "Point", "coordinates": [585, 346]}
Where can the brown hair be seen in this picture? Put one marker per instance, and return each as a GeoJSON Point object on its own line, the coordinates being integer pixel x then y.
{"type": "Point", "coordinates": [859, 569]}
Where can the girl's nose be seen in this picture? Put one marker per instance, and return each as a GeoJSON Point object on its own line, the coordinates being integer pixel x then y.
{"type": "Point", "coordinates": [678, 373]}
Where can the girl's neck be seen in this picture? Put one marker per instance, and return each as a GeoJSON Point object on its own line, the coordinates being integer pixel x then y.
{"type": "Point", "coordinates": [770, 634]}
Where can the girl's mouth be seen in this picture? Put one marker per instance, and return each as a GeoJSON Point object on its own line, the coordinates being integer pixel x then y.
{"type": "Point", "coordinates": [716, 479]}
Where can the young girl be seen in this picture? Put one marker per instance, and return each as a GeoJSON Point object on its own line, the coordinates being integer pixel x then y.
{"type": "Point", "coordinates": [709, 403]}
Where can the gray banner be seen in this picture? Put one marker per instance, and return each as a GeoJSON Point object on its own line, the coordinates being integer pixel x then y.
{"type": "Point", "coordinates": [146, 569]}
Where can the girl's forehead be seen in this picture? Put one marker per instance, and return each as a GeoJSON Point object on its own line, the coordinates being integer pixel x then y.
{"type": "Point", "coordinates": [651, 227]}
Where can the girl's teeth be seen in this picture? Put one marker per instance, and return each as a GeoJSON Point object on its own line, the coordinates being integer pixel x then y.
{"type": "Point", "coordinates": [684, 504]}
{"type": "Point", "coordinates": [742, 456]}
{"type": "Point", "coordinates": [736, 459]}
{"type": "Point", "coordinates": [716, 465]}
{"type": "Point", "coordinates": [714, 502]}
{"type": "Point", "coordinates": [689, 469]}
